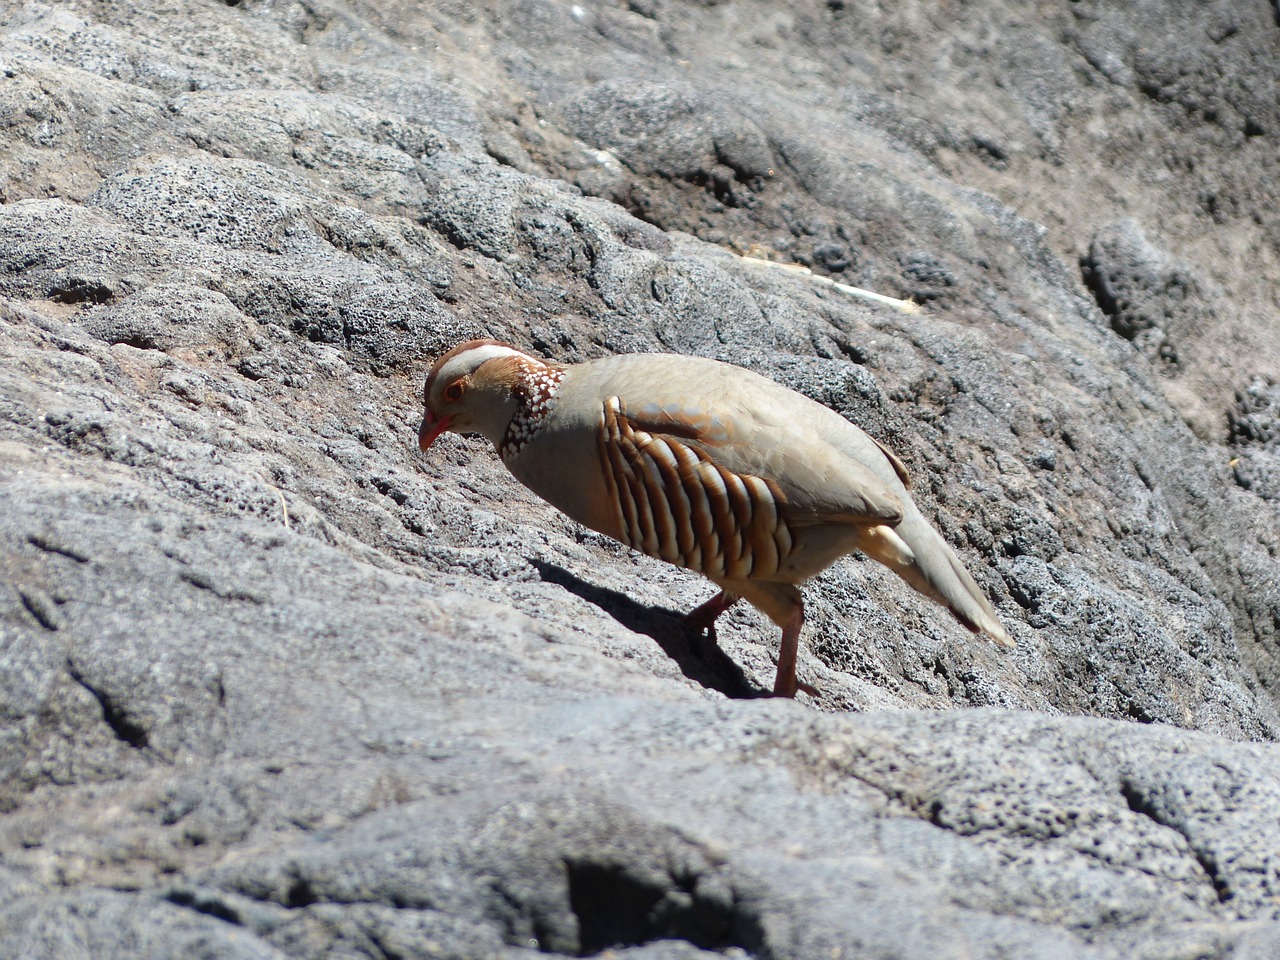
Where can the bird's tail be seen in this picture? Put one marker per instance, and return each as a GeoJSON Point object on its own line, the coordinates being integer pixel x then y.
{"type": "Point", "coordinates": [916, 552]}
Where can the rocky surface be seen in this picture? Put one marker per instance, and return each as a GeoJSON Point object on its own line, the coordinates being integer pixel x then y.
{"type": "Point", "coordinates": [274, 685]}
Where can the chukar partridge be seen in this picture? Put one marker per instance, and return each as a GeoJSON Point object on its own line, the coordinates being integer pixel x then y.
{"type": "Point", "coordinates": [705, 465]}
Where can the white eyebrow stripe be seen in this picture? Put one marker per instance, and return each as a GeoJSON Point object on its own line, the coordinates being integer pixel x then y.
{"type": "Point", "coordinates": [473, 358]}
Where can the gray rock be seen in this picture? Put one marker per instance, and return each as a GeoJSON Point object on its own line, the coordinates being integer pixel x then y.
{"type": "Point", "coordinates": [274, 685]}
{"type": "Point", "coordinates": [1253, 428]}
{"type": "Point", "coordinates": [1149, 298]}
{"type": "Point", "coordinates": [109, 924]}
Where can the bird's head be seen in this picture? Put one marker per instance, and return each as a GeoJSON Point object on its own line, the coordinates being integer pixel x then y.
{"type": "Point", "coordinates": [474, 388]}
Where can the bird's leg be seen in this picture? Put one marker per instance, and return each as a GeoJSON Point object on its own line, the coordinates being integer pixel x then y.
{"type": "Point", "coordinates": [704, 617]}
{"type": "Point", "coordinates": [785, 683]}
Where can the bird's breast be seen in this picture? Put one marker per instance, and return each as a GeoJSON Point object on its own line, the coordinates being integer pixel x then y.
{"type": "Point", "coordinates": [561, 466]}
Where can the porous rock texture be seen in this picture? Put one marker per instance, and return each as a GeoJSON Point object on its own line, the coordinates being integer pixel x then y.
{"type": "Point", "coordinates": [272, 684]}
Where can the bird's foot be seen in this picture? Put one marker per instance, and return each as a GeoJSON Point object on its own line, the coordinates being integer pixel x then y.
{"type": "Point", "coordinates": [703, 618]}
{"type": "Point", "coordinates": [789, 690]}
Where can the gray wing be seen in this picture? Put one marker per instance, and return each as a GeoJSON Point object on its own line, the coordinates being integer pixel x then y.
{"type": "Point", "coordinates": [814, 457]}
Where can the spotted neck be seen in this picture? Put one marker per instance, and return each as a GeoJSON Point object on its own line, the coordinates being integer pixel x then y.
{"type": "Point", "coordinates": [536, 386]}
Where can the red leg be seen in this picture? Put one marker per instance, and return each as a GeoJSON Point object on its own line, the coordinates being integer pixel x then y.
{"type": "Point", "coordinates": [705, 616]}
{"type": "Point", "coordinates": [785, 684]}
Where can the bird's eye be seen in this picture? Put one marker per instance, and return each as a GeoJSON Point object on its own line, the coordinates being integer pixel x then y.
{"type": "Point", "coordinates": [453, 391]}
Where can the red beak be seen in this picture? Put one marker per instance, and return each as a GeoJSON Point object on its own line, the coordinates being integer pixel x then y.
{"type": "Point", "coordinates": [430, 429]}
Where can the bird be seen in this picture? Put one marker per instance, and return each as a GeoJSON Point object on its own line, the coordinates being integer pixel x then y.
{"type": "Point", "coordinates": [708, 466]}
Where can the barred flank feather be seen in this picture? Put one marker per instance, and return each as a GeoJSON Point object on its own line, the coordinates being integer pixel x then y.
{"type": "Point", "coordinates": [674, 502]}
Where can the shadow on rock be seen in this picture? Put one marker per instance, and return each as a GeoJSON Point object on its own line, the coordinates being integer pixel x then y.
{"type": "Point", "coordinates": [694, 651]}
